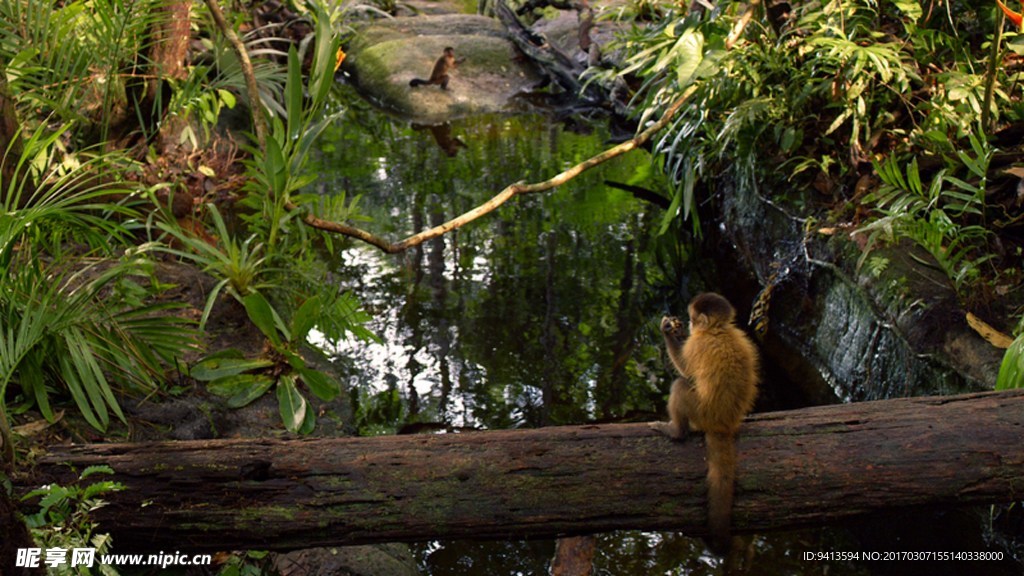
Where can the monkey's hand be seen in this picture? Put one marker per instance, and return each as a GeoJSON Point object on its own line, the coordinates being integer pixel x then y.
{"type": "Point", "coordinates": [673, 329]}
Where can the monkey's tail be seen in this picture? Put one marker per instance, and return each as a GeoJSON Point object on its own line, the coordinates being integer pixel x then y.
{"type": "Point", "coordinates": [721, 480]}
{"type": "Point", "coordinates": [417, 82]}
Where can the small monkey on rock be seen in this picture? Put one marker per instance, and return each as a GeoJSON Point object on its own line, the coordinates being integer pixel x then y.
{"type": "Point", "coordinates": [439, 75]}
{"type": "Point", "coordinates": [716, 388]}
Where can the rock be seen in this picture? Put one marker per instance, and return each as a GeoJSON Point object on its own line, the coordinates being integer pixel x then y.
{"type": "Point", "coordinates": [869, 335]}
{"type": "Point", "coordinates": [390, 53]}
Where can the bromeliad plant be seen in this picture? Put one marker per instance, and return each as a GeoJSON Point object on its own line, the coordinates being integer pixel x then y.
{"type": "Point", "coordinates": [242, 380]}
{"type": "Point", "coordinates": [240, 267]}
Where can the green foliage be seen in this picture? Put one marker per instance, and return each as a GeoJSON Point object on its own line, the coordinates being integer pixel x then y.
{"type": "Point", "coordinates": [74, 58]}
{"type": "Point", "coordinates": [69, 322]}
{"type": "Point", "coordinates": [272, 273]}
{"type": "Point", "coordinates": [839, 84]}
{"type": "Point", "coordinates": [238, 266]}
{"type": "Point", "coordinates": [934, 216]}
{"type": "Point", "coordinates": [249, 563]}
{"type": "Point", "coordinates": [832, 75]}
{"type": "Point", "coordinates": [63, 519]}
{"type": "Point", "coordinates": [375, 413]}
{"type": "Point", "coordinates": [1011, 371]}
{"type": "Point", "coordinates": [242, 380]}
{"type": "Point", "coordinates": [279, 168]}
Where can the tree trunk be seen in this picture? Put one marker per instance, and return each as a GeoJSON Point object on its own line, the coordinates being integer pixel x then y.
{"type": "Point", "coordinates": [795, 468]}
{"type": "Point", "coordinates": [11, 150]}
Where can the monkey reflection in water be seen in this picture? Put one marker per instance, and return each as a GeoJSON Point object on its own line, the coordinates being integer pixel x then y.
{"type": "Point", "coordinates": [715, 390]}
{"type": "Point", "coordinates": [442, 134]}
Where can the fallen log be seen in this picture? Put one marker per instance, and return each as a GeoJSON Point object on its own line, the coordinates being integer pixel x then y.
{"type": "Point", "coordinates": [560, 66]}
{"type": "Point", "coordinates": [796, 468]}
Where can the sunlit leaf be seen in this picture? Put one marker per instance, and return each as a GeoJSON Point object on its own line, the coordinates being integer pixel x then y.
{"type": "Point", "coordinates": [291, 403]}
{"type": "Point", "coordinates": [1011, 371]}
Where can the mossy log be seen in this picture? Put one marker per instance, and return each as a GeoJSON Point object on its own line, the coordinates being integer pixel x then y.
{"type": "Point", "coordinates": [797, 468]}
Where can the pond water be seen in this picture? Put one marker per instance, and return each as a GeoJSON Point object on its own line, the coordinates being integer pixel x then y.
{"type": "Point", "coordinates": [541, 313]}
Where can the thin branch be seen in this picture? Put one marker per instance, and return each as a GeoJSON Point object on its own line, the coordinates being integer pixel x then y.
{"type": "Point", "coordinates": [993, 69]}
{"type": "Point", "coordinates": [741, 24]}
{"type": "Point", "coordinates": [505, 195]}
{"type": "Point", "coordinates": [258, 119]}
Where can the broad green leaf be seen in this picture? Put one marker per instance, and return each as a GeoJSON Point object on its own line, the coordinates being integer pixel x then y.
{"type": "Point", "coordinates": [291, 403]}
{"type": "Point", "coordinates": [209, 369]}
{"type": "Point", "coordinates": [226, 97]}
{"type": "Point", "coordinates": [689, 52]}
{"type": "Point", "coordinates": [910, 8]}
{"type": "Point", "coordinates": [276, 166]}
{"type": "Point", "coordinates": [308, 423]}
{"type": "Point", "coordinates": [264, 317]}
{"type": "Point", "coordinates": [294, 360]}
{"type": "Point", "coordinates": [1011, 371]}
{"type": "Point", "coordinates": [324, 386]}
{"type": "Point", "coordinates": [305, 318]}
{"type": "Point", "coordinates": [241, 389]}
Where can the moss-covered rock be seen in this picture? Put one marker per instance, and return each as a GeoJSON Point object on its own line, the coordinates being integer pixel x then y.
{"type": "Point", "coordinates": [388, 54]}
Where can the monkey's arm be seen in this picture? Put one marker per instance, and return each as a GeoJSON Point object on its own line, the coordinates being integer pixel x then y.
{"type": "Point", "coordinates": [440, 70]}
{"type": "Point", "coordinates": [674, 331]}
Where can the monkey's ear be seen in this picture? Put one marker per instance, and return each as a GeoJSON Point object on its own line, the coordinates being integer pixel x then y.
{"type": "Point", "coordinates": [701, 320]}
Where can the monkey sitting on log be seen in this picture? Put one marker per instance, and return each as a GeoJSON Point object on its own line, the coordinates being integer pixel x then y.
{"type": "Point", "coordinates": [718, 374]}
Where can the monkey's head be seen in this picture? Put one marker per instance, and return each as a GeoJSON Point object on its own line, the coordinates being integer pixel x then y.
{"type": "Point", "coordinates": [709, 310]}
{"type": "Point", "coordinates": [449, 51]}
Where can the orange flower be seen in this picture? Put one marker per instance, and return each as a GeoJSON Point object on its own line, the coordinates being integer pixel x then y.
{"type": "Point", "coordinates": [340, 56]}
{"type": "Point", "coordinates": [1014, 17]}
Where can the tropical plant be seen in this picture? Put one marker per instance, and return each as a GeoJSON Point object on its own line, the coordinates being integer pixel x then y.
{"type": "Point", "coordinates": [273, 269]}
{"type": "Point", "coordinates": [278, 167]}
{"type": "Point", "coordinates": [820, 95]}
{"type": "Point", "coordinates": [75, 59]}
{"type": "Point", "coordinates": [75, 322]}
{"type": "Point", "coordinates": [935, 217]}
{"type": "Point", "coordinates": [1011, 371]}
{"type": "Point", "coordinates": [238, 266]}
{"type": "Point", "coordinates": [248, 563]}
{"type": "Point", "coordinates": [63, 521]}
{"type": "Point", "coordinates": [242, 380]}
{"type": "Point", "coordinates": [210, 84]}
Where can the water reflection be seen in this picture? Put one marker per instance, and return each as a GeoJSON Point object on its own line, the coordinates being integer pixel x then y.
{"type": "Point", "coordinates": [537, 314]}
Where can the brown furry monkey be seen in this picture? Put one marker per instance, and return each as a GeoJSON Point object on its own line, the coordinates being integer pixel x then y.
{"type": "Point", "coordinates": [717, 384]}
{"type": "Point", "coordinates": [439, 75]}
